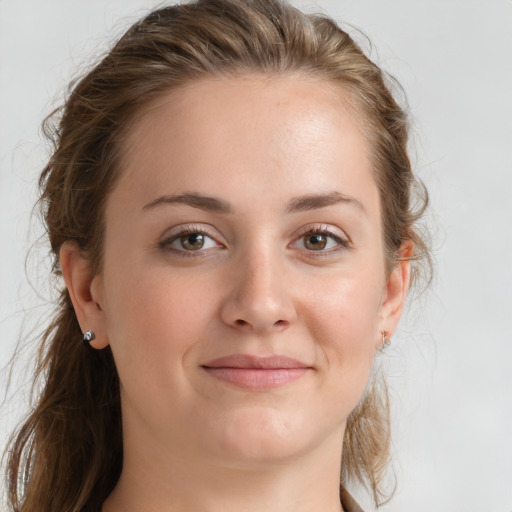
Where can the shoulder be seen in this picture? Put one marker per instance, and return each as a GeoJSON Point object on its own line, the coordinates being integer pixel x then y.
{"type": "Point", "coordinates": [348, 503]}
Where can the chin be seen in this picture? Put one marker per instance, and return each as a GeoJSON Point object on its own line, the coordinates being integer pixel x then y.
{"type": "Point", "coordinates": [262, 439]}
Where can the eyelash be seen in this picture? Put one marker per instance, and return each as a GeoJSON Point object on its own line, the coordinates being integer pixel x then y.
{"type": "Point", "coordinates": [343, 243]}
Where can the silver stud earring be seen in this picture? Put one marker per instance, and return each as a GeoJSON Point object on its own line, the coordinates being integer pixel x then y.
{"type": "Point", "coordinates": [385, 341]}
{"type": "Point", "coordinates": [89, 336]}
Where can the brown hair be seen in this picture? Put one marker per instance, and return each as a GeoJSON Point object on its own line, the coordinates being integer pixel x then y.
{"type": "Point", "coordinates": [68, 453]}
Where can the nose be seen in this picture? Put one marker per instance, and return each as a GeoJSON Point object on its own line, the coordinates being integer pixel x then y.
{"type": "Point", "coordinates": [260, 298]}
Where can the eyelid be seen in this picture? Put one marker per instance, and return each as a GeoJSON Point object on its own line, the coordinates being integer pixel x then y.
{"type": "Point", "coordinates": [191, 228]}
{"type": "Point", "coordinates": [323, 228]}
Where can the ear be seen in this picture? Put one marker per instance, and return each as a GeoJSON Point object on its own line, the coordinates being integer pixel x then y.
{"type": "Point", "coordinates": [85, 291]}
{"type": "Point", "coordinates": [395, 291]}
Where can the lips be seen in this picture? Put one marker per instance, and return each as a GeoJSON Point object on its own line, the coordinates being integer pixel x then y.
{"type": "Point", "coordinates": [256, 373]}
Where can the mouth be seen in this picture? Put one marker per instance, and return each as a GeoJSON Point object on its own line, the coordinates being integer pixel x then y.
{"type": "Point", "coordinates": [256, 373]}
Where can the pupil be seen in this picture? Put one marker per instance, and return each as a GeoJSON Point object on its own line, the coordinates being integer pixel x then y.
{"type": "Point", "coordinates": [194, 241]}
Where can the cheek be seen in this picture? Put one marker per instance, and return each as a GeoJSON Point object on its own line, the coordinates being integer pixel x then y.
{"type": "Point", "coordinates": [345, 307]}
{"type": "Point", "coordinates": [155, 321]}
{"type": "Point", "coordinates": [344, 319]}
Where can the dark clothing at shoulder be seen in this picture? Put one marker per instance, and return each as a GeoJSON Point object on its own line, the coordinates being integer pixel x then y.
{"type": "Point", "coordinates": [348, 503]}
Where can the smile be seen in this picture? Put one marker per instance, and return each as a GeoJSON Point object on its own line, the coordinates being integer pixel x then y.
{"type": "Point", "coordinates": [256, 373]}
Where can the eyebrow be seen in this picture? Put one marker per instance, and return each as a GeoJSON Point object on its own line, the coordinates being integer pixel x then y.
{"type": "Point", "coordinates": [194, 199]}
{"type": "Point", "coordinates": [216, 205]}
{"type": "Point", "coordinates": [314, 201]}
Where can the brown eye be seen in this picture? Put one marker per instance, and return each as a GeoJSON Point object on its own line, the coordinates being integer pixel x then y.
{"type": "Point", "coordinates": [192, 241]}
{"type": "Point", "coordinates": [315, 242]}
{"type": "Point", "coordinates": [321, 240]}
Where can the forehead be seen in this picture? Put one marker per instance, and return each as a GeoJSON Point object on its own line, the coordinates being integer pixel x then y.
{"type": "Point", "coordinates": [265, 136]}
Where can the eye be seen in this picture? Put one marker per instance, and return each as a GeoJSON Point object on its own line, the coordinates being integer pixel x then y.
{"type": "Point", "coordinates": [189, 240]}
{"type": "Point", "coordinates": [193, 242]}
{"type": "Point", "coordinates": [321, 239]}
{"type": "Point", "coordinates": [316, 241]}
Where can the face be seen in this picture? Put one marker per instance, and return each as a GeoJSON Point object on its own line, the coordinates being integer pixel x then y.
{"type": "Point", "coordinates": [243, 288]}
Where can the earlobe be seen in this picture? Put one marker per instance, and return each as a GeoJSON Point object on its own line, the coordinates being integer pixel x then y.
{"type": "Point", "coordinates": [85, 292]}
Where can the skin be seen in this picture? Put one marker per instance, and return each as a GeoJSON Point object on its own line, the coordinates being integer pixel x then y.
{"type": "Point", "coordinates": [193, 442]}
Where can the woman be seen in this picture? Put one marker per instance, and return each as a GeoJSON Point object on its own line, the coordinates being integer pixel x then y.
{"type": "Point", "coordinates": [229, 204]}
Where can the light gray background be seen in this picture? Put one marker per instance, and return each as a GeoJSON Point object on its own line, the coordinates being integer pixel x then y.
{"type": "Point", "coordinates": [451, 363]}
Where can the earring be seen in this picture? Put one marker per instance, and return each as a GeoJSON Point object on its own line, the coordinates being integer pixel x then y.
{"type": "Point", "coordinates": [385, 341]}
{"type": "Point", "coordinates": [89, 336]}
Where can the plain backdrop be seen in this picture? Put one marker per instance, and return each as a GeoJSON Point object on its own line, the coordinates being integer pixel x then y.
{"type": "Point", "coordinates": [450, 366]}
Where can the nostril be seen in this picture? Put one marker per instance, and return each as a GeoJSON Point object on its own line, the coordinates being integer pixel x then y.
{"type": "Point", "coordinates": [279, 324]}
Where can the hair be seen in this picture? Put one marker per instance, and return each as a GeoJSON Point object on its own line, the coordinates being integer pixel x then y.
{"type": "Point", "coordinates": [68, 453]}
